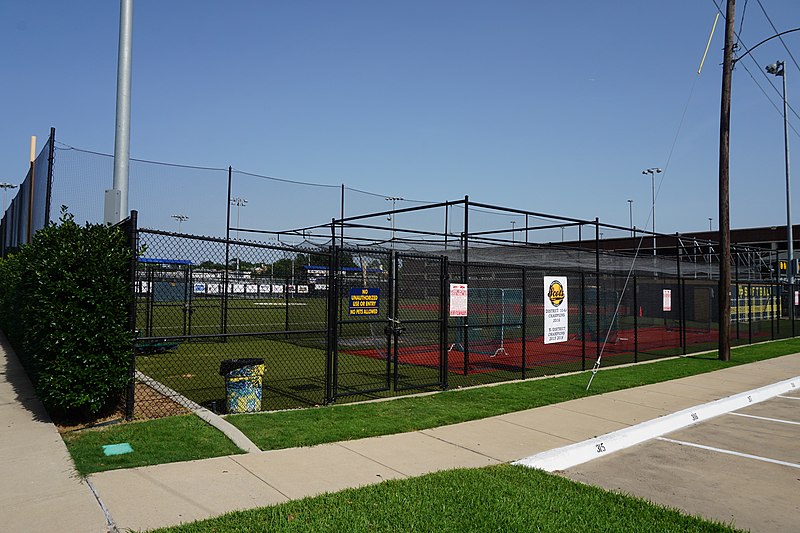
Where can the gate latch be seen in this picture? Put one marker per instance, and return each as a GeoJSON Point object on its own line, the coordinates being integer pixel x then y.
{"type": "Point", "coordinates": [394, 327]}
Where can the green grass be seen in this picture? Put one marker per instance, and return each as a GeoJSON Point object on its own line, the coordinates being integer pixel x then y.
{"type": "Point", "coordinates": [164, 440]}
{"type": "Point", "coordinates": [346, 422]}
{"type": "Point", "coordinates": [167, 440]}
{"type": "Point", "coordinates": [499, 498]}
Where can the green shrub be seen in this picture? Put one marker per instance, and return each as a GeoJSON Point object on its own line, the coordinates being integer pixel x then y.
{"type": "Point", "coordinates": [72, 293]}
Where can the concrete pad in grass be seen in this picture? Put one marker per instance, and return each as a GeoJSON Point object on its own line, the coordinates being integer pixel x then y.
{"type": "Point", "coordinates": [498, 439]}
{"type": "Point", "coordinates": [563, 423]}
{"type": "Point", "coordinates": [170, 494]}
{"type": "Point", "coordinates": [301, 472]}
{"type": "Point", "coordinates": [415, 454]}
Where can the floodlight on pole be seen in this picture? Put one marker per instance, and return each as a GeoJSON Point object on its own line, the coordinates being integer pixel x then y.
{"type": "Point", "coordinates": [5, 187]}
{"type": "Point", "coordinates": [180, 219]}
{"type": "Point", "coordinates": [779, 69]}
{"type": "Point", "coordinates": [630, 216]}
{"type": "Point", "coordinates": [391, 217]}
{"type": "Point", "coordinates": [239, 202]}
{"type": "Point", "coordinates": [653, 171]}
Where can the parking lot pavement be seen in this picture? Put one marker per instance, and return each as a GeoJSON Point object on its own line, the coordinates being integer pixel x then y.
{"type": "Point", "coordinates": [741, 468]}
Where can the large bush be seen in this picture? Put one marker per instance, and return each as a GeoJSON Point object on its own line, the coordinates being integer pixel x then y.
{"type": "Point", "coordinates": [68, 313]}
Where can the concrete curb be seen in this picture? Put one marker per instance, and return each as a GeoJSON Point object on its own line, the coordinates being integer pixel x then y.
{"type": "Point", "coordinates": [582, 452]}
{"type": "Point", "coordinates": [229, 430]}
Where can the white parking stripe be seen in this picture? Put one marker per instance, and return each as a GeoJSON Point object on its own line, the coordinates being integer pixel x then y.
{"type": "Point", "coordinates": [729, 452]}
{"type": "Point", "coordinates": [788, 397]}
{"type": "Point", "coordinates": [769, 419]}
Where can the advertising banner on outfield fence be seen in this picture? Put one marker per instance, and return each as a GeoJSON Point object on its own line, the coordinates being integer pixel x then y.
{"type": "Point", "coordinates": [556, 316]}
{"type": "Point", "coordinates": [458, 299]}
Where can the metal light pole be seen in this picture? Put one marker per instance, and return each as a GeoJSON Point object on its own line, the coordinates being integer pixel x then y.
{"type": "Point", "coordinates": [653, 171]}
{"type": "Point", "coordinates": [709, 224]}
{"type": "Point", "coordinates": [392, 199]}
{"type": "Point", "coordinates": [779, 69]}
{"type": "Point", "coordinates": [513, 227]}
{"type": "Point", "coordinates": [6, 186]}
{"type": "Point", "coordinates": [180, 219]}
{"type": "Point", "coordinates": [630, 216]}
{"type": "Point", "coordinates": [239, 202]}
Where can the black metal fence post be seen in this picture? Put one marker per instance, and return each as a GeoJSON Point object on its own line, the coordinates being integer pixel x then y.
{"type": "Point", "coordinates": [597, 284]}
{"type": "Point", "coordinates": [444, 270]}
{"type": "Point", "coordinates": [635, 321]}
{"type": "Point", "coordinates": [132, 235]}
{"type": "Point", "coordinates": [583, 321]}
{"type": "Point", "coordinates": [465, 276]}
{"type": "Point", "coordinates": [524, 319]}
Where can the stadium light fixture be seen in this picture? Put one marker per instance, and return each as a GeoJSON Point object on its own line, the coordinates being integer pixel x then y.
{"type": "Point", "coordinates": [180, 219]}
{"type": "Point", "coordinates": [5, 187]}
{"type": "Point", "coordinates": [779, 69]}
{"type": "Point", "coordinates": [653, 171]}
{"type": "Point", "coordinates": [239, 202]}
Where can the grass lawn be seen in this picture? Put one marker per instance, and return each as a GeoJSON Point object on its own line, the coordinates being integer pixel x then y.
{"type": "Point", "coordinates": [153, 442]}
{"type": "Point", "coordinates": [162, 441]}
{"type": "Point", "coordinates": [499, 498]}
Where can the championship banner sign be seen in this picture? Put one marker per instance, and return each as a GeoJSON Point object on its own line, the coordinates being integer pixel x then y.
{"type": "Point", "coordinates": [364, 302]}
{"type": "Point", "coordinates": [556, 315]}
{"type": "Point", "coordinates": [667, 300]}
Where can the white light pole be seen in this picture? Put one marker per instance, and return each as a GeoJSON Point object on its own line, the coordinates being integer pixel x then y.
{"type": "Point", "coordinates": [653, 171]}
{"type": "Point", "coordinates": [779, 69]}
{"type": "Point", "coordinates": [5, 187]}
{"type": "Point", "coordinates": [239, 202]}
{"type": "Point", "coordinates": [513, 226]}
{"type": "Point", "coordinates": [630, 216]}
{"type": "Point", "coordinates": [391, 217]}
{"type": "Point", "coordinates": [180, 219]}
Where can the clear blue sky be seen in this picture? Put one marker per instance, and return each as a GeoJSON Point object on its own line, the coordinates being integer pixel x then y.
{"type": "Point", "coordinates": [548, 106]}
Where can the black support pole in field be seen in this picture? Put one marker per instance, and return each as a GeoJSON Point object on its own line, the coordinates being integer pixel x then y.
{"type": "Point", "coordinates": [583, 321]}
{"type": "Point", "coordinates": [50, 159]}
{"type": "Point", "coordinates": [635, 321]}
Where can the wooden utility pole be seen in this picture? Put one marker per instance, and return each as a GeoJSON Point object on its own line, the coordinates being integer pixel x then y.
{"type": "Point", "coordinates": [724, 190]}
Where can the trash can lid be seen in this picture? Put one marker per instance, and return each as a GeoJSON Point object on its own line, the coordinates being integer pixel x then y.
{"type": "Point", "coordinates": [228, 365]}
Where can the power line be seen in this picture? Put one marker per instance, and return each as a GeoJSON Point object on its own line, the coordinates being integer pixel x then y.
{"type": "Point", "coordinates": [779, 37]}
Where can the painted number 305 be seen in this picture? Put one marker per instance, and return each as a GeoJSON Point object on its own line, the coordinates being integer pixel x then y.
{"type": "Point", "coordinates": [600, 447]}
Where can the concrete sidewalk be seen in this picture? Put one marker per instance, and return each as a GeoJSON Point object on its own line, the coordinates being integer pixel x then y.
{"type": "Point", "coordinates": [170, 494]}
{"type": "Point", "coordinates": [40, 491]}
{"type": "Point", "coordinates": [39, 488]}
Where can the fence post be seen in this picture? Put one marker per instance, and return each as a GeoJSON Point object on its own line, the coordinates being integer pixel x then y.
{"type": "Point", "coordinates": [583, 321]}
{"type": "Point", "coordinates": [465, 275]}
{"type": "Point", "coordinates": [679, 295]}
{"type": "Point", "coordinates": [635, 321]}
{"type": "Point", "coordinates": [50, 159]}
{"type": "Point", "coordinates": [524, 319]}
{"type": "Point", "coordinates": [444, 270]}
{"type": "Point", "coordinates": [597, 284]}
{"type": "Point", "coordinates": [132, 242]}
{"type": "Point", "coordinates": [225, 276]}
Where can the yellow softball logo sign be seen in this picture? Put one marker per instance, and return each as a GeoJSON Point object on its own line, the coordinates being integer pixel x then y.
{"type": "Point", "coordinates": [556, 293]}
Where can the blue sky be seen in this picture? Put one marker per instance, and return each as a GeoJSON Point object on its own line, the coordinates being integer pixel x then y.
{"type": "Point", "coordinates": [554, 107]}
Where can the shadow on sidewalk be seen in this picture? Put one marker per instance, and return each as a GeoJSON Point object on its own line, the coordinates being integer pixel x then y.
{"type": "Point", "coordinates": [12, 372]}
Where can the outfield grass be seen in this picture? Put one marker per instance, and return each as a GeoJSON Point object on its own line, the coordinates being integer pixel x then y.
{"type": "Point", "coordinates": [498, 498]}
{"type": "Point", "coordinates": [309, 427]}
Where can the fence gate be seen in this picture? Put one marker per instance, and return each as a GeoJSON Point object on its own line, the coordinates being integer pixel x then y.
{"type": "Point", "coordinates": [418, 322]}
{"type": "Point", "coordinates": [390, 324]}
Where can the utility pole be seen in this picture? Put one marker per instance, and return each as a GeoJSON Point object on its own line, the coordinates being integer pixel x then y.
{"type": "Point", "coordinates": [724, 191]}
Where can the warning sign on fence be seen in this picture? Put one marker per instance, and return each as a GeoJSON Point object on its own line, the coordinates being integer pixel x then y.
{"type": "Point", "coordinates": [556, 317]}
{"type": "Point", "coordinates": [458, 299]}
{"type": "Point", "coordinates": [667, 300]}
{"type": "Point", "coordinates": [364, 301]}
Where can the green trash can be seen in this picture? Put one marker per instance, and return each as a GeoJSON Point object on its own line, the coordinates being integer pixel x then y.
{"type": "Point", "coordinates": [243, 384]}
